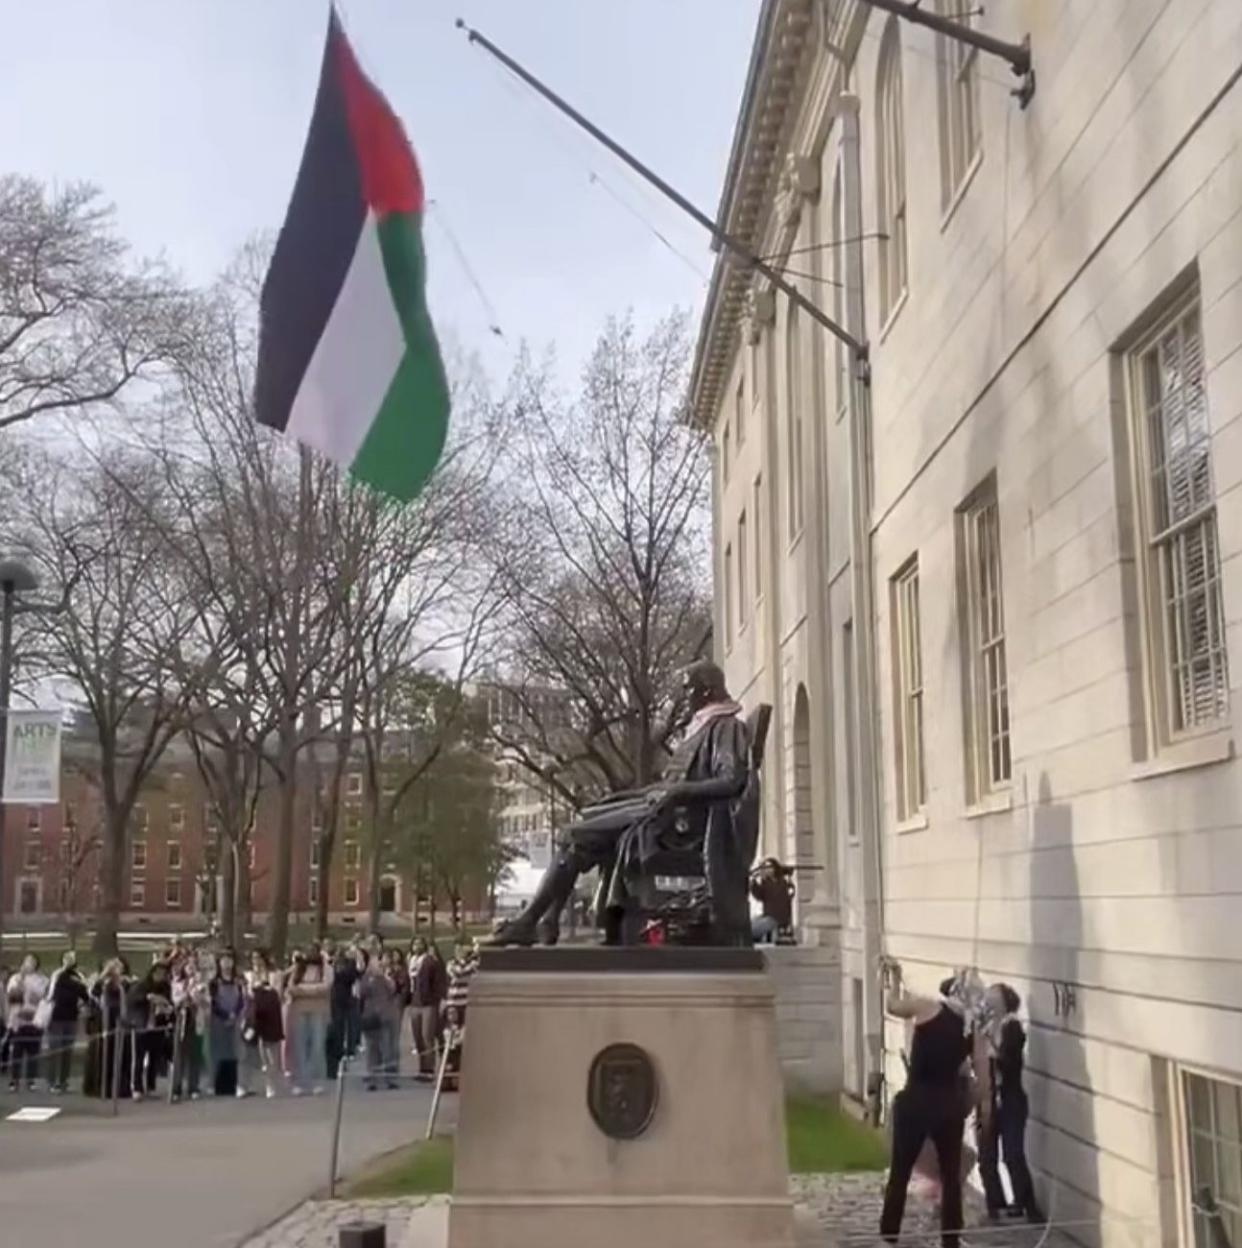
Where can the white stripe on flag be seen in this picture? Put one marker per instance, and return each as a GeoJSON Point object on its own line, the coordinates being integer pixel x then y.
{"type": "Point", "coordinates": [354, 362]}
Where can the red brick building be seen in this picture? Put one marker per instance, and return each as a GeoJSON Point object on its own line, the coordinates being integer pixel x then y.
{"type": "Point", "coordinates": [52, 859]}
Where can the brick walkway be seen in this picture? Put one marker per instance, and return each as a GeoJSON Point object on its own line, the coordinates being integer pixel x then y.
{"type": "Point", "coordinates": [834, 1211]}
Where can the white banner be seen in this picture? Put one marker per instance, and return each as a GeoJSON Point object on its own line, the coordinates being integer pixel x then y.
{"type": "Point", "coordinates": [32, 758]}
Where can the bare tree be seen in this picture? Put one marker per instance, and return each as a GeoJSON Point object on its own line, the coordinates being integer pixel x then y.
{"type": "Point", "coordinates": [607, 573]}
{"type": "Point", "coordinates": [78, 321]}
{"type": "Point", "coordinates": [96, 529]}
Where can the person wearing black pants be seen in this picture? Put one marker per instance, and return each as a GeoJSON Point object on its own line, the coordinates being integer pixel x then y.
{"type": "Point", "coordinates": [932, 1106]}
{"type": "Point", "coordinates": [1002, 1130]}
{"type": "Point", "coordinates": [68, 995]}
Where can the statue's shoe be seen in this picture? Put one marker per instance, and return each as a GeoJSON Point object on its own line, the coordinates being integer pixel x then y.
{"type": "Point", "coordinates": [548, 931]}
{"type": "Point", "coordinates": [513, 932]}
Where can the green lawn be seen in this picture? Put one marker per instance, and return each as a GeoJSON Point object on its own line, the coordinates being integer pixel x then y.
{"type": "Point", "coordinates": [421, 1169]}
{"type": "Point", "coordinates": [821, 1139]}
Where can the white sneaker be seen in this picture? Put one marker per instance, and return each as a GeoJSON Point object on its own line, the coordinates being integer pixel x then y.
{"type": "Point", "coordinates": [271, 1094]}
{"type": "Point", "coordinates": [317, 1090]}
{"type": "Point", "coordinates": [297, 1091]}
{"type": "Point", "coordinates": [241, 1094]}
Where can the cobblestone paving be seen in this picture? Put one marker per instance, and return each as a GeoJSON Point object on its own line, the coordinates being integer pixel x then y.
{"type": "Point", "coordinates": [835, 1211]}
{"type": "Point", "coordinates": [843, 1211]}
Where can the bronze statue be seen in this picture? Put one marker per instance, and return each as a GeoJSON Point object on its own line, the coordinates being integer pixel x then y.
{"type": "Point", "coordinates": [704, 809]}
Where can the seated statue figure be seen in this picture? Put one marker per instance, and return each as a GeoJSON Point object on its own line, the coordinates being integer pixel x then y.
{"type": "Point", "coordinates": [697, 801]}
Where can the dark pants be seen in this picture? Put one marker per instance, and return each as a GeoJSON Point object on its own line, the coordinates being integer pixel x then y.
{"type": "Point", "coordinates": [60, 1040]}
{"type": "Point", "coordinates": [226, 1078]}
{"type": "Point", "coordinates": [1005, 1136]}
{"type": "Point", "coordinates": [187, 1060]}
{"type": "Point", "coordinates": [24, 1048]}
{"type": "Point", "coordinates": [922, 1112]}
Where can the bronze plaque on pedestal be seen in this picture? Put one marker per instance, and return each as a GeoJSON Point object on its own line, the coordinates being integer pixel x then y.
{"type": "Point", "coordinates": [622, 1091]}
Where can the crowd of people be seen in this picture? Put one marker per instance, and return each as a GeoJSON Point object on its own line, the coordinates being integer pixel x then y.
{"type": "Point", "coordinates": [200, 1019]}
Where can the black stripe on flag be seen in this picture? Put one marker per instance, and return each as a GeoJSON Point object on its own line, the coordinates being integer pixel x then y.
{"type": "Point", "coordinates": [313, 253]}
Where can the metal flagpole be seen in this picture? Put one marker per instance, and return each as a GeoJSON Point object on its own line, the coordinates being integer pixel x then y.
{"type": "Point", "coordinates": [746, 254]}
{"type": "Point", "coordinates": [1017, 55]}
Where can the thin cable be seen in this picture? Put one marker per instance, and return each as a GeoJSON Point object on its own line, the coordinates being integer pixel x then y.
{"type": "Point", "coordinates": [845, 242]}
{"type": "Point", "coordinates": [552, 124]}
{"type": "Point", "coordinates": [488, 307]}
{"type": "Point", "coordinates": [681, 255]}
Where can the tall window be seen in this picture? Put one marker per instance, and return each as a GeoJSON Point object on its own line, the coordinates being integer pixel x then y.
{"type": "Point", "coordinates": [351, 892]}
{"type": "Point", "coordinates": [33, 819]}
{"type": "Point", "coordinates": [314, 853]}
{"type": "Point", "coordinates": [1169, 416]}
{"type": "Point", "coordinates": [841, 359]}
{"type": "Point", "coordinates": [728, 593]}
{"type": "Point", "coordinates": [986, 667]}
{"type": "Point", "coordinates": [1214, 1158]}
{"type": "Point", "coordinates": [849, 736]}
{"type": "Point", "coordinates": [174, 855]}
{"type": "Point", "coordinates": [740, 415]}
{"type": "Point", "coordinates": [139, 817]}
{"type": "Point", "coordinates": [891, 172]}
{"type": "Point", "coordinates": [724, 455]}
{"type": "Point", "coordinates": [312, 895]}
{"type": "Point", "coordinates": [743, 581]}
{"type": "Point", "coordinates": [908, 687]}
{"type": "Point", "coordinates": [138, 856]}
{"type": "Point", "coordinates": [354, 784]}
{"type": "Point", "coordinates": [137, 895]}
{"type": "Point", "coordinates": [961, 135]}
{"type": "Point", "coordinates": [757, 511]}
{"type": "Point", "coordinates": [176, 816]}
{"type": "Point", "coordinates": [353, 854]}
{"type": "Point", "coordinates": [793, 367]}
{"type": "Point", "coordinates": [32, 859]}
{"type": "Point", "coordinates": [172, 894]}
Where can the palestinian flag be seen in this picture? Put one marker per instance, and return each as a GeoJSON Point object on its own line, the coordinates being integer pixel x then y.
{"type": "Point", "coordinates": [348, 358]}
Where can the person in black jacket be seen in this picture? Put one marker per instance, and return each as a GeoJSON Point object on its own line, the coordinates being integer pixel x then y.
{"type": "Point", "coordinates": [68, 995]}
{"type": "Point", "coordinates": [1002, 1120]}
{"type": "Point", "coordinates": [149, 1011]}
{"type": "Point", "coordinates": [343, 1017]}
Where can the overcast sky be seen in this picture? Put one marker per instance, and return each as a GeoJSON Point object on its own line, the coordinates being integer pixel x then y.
{"type": "Point", "coordinates": [190, 115]}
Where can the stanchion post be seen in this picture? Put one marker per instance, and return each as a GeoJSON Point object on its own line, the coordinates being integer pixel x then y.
{"type": "Point", "coordinates": [446, 1048]}
{"type": "Point", "coordinates": [341, 1071]}
{"type": "Point", "coordinates": [174, 1073]}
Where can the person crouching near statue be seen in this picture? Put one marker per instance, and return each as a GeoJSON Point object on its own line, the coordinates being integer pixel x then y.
{"type": "Point", "coordinates": [703, 781]}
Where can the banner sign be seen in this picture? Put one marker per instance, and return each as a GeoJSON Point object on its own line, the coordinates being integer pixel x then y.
{"type": "Point", "coordinates": [32, 758]}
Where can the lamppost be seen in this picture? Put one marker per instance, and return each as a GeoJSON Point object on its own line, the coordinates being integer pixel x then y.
{"type": "Point", "coordinates": [15, 578]}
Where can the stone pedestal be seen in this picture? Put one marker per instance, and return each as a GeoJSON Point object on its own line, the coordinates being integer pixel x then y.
{"type": "Point", "coordinates": [536, 1166]}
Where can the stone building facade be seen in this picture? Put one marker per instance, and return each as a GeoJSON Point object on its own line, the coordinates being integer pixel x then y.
{"type": "Point", "coordinates": [992, 581]}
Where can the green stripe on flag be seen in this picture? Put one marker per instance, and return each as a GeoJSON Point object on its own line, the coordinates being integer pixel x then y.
{"type": "Point", "coordinates": [404, 443]}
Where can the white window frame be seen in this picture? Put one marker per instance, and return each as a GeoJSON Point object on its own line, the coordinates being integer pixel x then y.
{"type": "Point", "coordinates": [352, 893]}
{"type": "Point", "coordinates": [172, 893]}
{"type": "Point", "coordinates": [315, 853]}
{"type": "Point", "coordinates": [174, 851]}
{"type": "Point", "coordinates": [312, 891]}
{"type": "Point", "coordinates": [743, 578]}
{"type": "Point", "coordinates": [1173, 717]}
{"type": "Point", "coordinates": [840, 357]}
{"type": "Point", "coordinates": [138, 854]}
{"type": "Point", "coordinates": [891, 174]}
{"type": "Point", "coordinates": [740, 414]}
{"type": "Point", "coordinates": [757, 510]}
{"type": "Point", "coordinates": [32, 854]}
{"type": "Point", "coordinates": [961, 120]}
{"type": "Point", "coordinates": [728, 594]}
{"type": "Point", "coordinates": [353, 784]}
{"type": "Point", "coordinates": [986, 661]}
{"type": "Point", "coordinates": [353, 855]}
{"type": "Point", "coordinates": [138, 895]}
{"type": "Point", "coordinates": [907, 649]}
{"type": "Point", "coordinates": [34, 821]}
{"type": "Point", "coordinates": [176, 816]}
{"type": "Point", "coordinates": [1187, 1195]}
{"type": "Point", "coordinates": [795, 425]}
